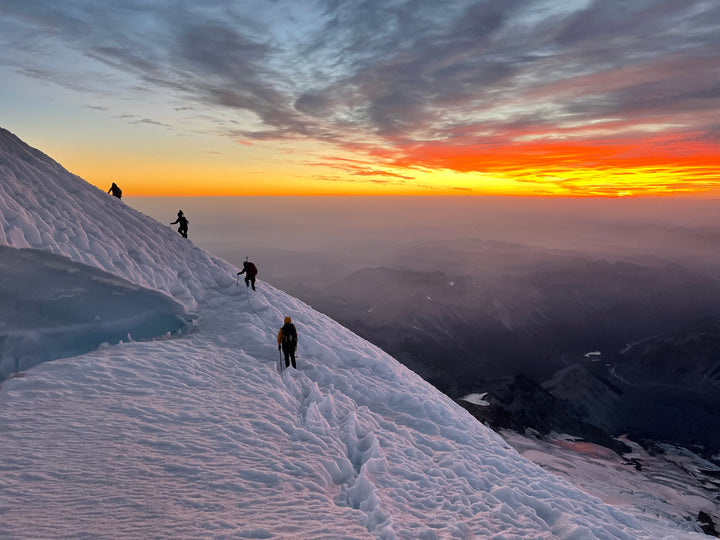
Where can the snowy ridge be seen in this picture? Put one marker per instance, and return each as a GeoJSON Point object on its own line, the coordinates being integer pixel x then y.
{"type": "Point", "coordinates": [200, 437]}
{"type": "Point", "coordinates": [43, 206]}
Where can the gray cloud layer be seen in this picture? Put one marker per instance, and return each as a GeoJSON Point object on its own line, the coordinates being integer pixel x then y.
{"type": "Point", "coordinates": [402, 72]}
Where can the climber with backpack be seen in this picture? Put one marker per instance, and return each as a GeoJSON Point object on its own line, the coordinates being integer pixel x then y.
{"type": "Point", "coordinates": [250, 271]}
{"type": "Point", "coordinates": [115, 191]}
{"type": "Point", "coordinates": [287, 342]}
{"type": "Point", "coordinates": [183, 223]}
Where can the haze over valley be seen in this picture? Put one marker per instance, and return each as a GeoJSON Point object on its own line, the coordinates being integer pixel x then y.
{"type": "Point", "coordinates": [464, 290]}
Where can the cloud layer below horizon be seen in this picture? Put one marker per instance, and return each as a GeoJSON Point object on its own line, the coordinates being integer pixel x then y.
{"type": "Point", "coordinates": [576, 97]}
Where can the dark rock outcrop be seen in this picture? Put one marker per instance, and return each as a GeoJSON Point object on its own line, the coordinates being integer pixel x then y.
{"type": "Point", "coordinates": [518, 403]}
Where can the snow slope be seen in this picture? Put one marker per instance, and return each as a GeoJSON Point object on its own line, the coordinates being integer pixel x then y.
{"type": "Point", "coordinates": [200, 437]}
{"type": "Point", "coordinates": [670, 482]}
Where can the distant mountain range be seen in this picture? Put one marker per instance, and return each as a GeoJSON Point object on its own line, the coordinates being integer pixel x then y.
{"type": "Point", "coordinates": [688, 358]}
{"type": "Point", "coordinates": [536, 320]}
{"type": "Point", "coordinates": [664, 388]}
{"type": "Point", "coordinates": [563, 320]}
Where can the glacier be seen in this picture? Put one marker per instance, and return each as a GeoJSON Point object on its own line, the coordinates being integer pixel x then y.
{"type": "Point", "coordinates": [196, 435]}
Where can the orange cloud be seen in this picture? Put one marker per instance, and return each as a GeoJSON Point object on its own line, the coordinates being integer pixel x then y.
{"type": "Point", "coordinates": [660, 164]}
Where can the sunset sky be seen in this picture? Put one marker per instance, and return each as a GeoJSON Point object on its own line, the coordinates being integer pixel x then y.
{"type": "Point", "coordinates": [220, 97]}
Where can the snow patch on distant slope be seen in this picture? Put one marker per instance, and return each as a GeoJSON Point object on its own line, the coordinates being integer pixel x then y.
{"type": "Point", "coordinates": [477, 399]}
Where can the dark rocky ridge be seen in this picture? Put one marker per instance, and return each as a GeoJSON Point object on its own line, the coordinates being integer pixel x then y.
{"type": "Point", "coordinates": [519, 403]}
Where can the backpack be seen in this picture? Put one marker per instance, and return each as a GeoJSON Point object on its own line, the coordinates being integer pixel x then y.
{"type": "Point", "coordinates": [289, 334]}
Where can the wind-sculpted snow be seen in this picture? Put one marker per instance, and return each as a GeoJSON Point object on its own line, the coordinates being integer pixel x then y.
{"type": "Point", "coordinates": [200, 437]}
{"type": "Point", "coordinates": [43, 206]}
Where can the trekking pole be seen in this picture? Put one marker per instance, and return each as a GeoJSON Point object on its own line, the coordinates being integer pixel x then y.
{"type": "Point", "coordinates": [280, 361]}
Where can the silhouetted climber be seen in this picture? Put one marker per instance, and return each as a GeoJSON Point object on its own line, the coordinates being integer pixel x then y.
{"type": "Point", "coordinates": [115, 191]}
{"type": "Point", "coordinates": [183, 221]}
{"type": "Point", "coordinates": [250, 271]}
{"type": "Point", "coordinates": [287, 341]}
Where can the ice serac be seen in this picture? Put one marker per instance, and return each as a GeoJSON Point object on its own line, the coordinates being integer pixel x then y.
{"type": "Point", "coordinates": [199, 437]}
{"type": "Point", "coordinates": [55, 308]}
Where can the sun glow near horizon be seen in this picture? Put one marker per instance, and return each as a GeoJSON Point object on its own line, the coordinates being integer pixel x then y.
{"type": "Point", "coordinates": [557, 162]}
{"type": "Point", "coordinates": [165, 180]}
{"type": "Point", "coordinates": [523, 169]}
